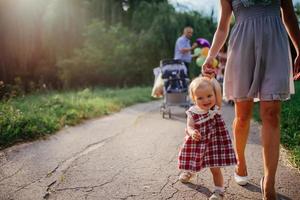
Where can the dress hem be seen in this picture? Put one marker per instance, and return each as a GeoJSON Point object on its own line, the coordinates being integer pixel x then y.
{"type": "Point", "coordinates": [220, 166]}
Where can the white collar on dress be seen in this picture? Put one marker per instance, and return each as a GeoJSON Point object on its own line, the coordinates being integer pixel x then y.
{"type": "Point", "coordinates": [195, 109]}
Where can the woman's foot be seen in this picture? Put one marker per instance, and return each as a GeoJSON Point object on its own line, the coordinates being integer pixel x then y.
{"type": "Point", "coordinates": [185, 177]}
{"type": "Point", "coordinates": [241, 179]}
{"type": "Point", "coordinates": [262, 187]}
{"type": "Point", "coordinates": [265, 195]}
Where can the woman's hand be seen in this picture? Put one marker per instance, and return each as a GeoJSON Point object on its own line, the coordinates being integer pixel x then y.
{"type": "Point", "coordinates": [207, 67]}
{"type": "Point", "coordinates": [297, 68]}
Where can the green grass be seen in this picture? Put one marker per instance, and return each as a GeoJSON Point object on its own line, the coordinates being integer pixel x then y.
{"type": "Point", "coordinates": [289, 125]}
{"type": "Point", "coordinates": [34, 116]}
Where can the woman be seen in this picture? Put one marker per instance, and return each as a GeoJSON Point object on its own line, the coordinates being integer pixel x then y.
{"type": "Point", "coordinates": [258, 66]}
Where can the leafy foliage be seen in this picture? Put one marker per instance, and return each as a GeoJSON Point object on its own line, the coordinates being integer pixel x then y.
{"type": "Point", "coordinates": [89, 42]}
{"type": "Point", "coordinates": [117, 55]}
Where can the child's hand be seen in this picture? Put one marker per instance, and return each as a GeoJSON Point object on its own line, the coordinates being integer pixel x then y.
{"type": "Point", "coordinates": [196, 135]}
{"type": "Point", "coordinates": [207, 68]}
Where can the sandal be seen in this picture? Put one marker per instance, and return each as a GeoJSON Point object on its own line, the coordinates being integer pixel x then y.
{"type": "Point", "coordinates": [185, 177]}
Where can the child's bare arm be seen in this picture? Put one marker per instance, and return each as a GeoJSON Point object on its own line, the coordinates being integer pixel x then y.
{"type": "Point", "coordinates": [191, 131]}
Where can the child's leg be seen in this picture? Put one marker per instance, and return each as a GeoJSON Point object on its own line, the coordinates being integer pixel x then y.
{"type": "Point", "coordinates": [217, 176]}
{"type": "Point", "coordinates": [218, 192]}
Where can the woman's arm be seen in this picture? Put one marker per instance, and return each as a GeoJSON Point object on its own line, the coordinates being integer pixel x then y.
{"type": "Point", "coordinates": [218, 92]}
{"type": "Point", "coordinates": [220, 34]}
{"type": "Point", "coordinates": [291, 23]}
{"type": "Point", "coordinates": [222, 29]}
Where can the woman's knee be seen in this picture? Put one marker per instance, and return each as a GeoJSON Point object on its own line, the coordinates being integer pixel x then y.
{"type": "Point", "coordinates": [270, 114]}
{"type": "Point", "coordinates": [243, 119]}
{"type": "Point", "coordinates": [243, 113]}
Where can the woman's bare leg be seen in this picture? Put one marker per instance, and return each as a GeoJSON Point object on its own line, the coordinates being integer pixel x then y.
{"type": "Point", "coordinates": [270, 116]}
{"type": "Point", "coordinates": [241, 124]}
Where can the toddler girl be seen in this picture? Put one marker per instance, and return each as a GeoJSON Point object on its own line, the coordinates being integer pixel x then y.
{"type": "Point", "coordinates": [207, 143]}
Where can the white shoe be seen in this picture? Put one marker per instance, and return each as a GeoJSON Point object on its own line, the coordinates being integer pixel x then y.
{"type": "Point", "coordinates": [217, 195]}
{"type": "Point", "coordinates": [241, 180]}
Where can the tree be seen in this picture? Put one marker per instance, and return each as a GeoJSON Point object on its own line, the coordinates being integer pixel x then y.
{"type": "Point", "coordinates": [88, 42]}
{"type": "Point", "coordinates": [20, 38]}
{"type": "Point", "coordinates": [297, 10]}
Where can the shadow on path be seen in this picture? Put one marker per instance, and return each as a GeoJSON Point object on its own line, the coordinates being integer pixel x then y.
{"type": "Point", "coordinates": [255, 188]}
{"type": "Point", "coordinates": [199, 188]}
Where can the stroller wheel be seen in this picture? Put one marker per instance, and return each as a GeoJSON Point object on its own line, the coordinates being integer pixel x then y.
{"type": "Point", "coordinates": [168, 111]}
{"type": "Point", "coordinates": [162, 109]}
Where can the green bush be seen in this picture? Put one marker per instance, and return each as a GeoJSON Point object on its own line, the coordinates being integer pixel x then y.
{"type": "Point", "coordinates": [117, 55]}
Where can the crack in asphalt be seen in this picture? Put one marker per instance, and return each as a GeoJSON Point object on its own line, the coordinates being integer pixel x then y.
{"type": "Point", "coordinates": [168, 180]}
{"type": "Point", "coordinates": [52, 189]}
{"type": "Point", "coordinates": [172, 186]}
{"type": "Point", "coordinates": [13, 174]}
{"type": "Point", "coordinates": [173, 159]}
{"type": "Point", "coordinates": [172, 195]}
{"type": "Point", "coordinates": [63, 166]}
{"type": "Point", "coordinates": [88, 188]}
{"type": "Point", "coordinates": [26, 185]}
{"type": "Point", "coordinates": [131, 195]}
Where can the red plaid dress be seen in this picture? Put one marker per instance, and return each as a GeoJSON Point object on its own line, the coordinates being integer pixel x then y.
{"type": "Point", "coordinates": [215, 147]}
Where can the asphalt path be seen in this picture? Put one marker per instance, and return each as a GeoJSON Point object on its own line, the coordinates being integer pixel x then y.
{"type": "Point", "coordinates": [130, 155]}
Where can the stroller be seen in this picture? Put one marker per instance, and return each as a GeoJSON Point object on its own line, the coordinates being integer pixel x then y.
{"type": "Point", "coordinates": [175, 89]}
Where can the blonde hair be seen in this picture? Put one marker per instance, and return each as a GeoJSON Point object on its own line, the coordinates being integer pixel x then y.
{"type": "Point", "coordinates": [201, 82]}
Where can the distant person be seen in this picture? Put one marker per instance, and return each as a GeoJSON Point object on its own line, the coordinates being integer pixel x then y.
{"type": "Point", "coordinates": [183, 48]}
{"type": "Point", "coordinates": [259, 66]}
{"type": "Point", "coordinates": [207, 143]}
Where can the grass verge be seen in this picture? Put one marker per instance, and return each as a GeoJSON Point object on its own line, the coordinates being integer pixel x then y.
{"type": "Point", "coordinates": [34, 116]}
{"type": "Point", "coordinates": [289, 125]}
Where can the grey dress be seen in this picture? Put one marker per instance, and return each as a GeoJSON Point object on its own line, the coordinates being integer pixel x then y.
{"type": "Point", "coordinates": [259, 62]}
